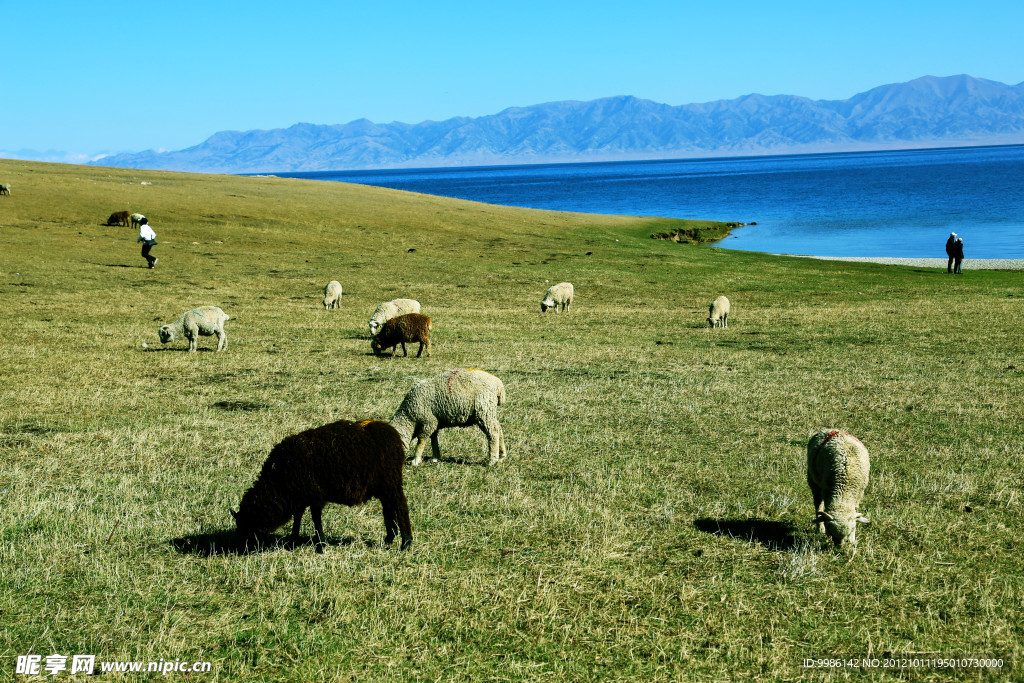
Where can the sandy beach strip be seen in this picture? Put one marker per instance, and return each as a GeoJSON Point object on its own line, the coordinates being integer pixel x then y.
{"type": "Point", "coordinates": [968, 264]}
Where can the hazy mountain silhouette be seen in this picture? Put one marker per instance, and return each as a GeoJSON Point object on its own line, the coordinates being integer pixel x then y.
{"type": "Point", "coordinates": [926, 112]}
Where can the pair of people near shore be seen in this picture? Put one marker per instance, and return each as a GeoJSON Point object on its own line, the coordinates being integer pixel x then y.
{"type": "Point", "coordinates": [955, 252]}
{"type": "Point", "coordinates": [148, 239]}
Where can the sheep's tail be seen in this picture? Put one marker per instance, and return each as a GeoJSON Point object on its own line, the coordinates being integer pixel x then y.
{"type": "Point", "coordinates": [227, 317]}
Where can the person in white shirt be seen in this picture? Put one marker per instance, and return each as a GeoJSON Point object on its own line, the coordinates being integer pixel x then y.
{"type": "Point", "coordinates": [148, 239]}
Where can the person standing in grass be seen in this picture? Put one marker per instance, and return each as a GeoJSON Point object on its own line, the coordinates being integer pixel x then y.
{"type": "Point", "coordinates": [148, 239]}
{"type": "Point", "coordinates": [949, 251]}
{"type": "Point", "coordinates": [958, 255]}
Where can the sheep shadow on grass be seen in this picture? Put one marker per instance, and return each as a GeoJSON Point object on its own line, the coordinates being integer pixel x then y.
{"type": "Point", "coordinates": [229, 542]}
{"type": "Point", "coordinates": [771, 534]}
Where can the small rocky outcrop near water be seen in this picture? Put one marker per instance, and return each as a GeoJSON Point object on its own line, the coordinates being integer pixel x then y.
{"type": "Point", "coordinates": [699, 234]}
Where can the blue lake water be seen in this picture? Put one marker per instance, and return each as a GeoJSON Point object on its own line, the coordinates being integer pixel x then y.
{"type": "Point", "coordinates": [893, 203]}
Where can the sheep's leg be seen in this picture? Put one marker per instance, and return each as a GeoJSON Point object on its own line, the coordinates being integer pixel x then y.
{"type": "Point", "coordinates": [404, 352]}
{"type": "Point", "coordinates": [396, 517]}
{"type": "Point", "coordinates": [435, 446]}
{"type": "Point", "coordinates": [319, 526]}
{"type": "Point", "coordinates": [222, 340]}
{"type": "Point", "coordinates": [402, 516]}
{"type": "Point", "coordinates": [191, 333]}
{"type": "Point", "coordinates": [819, 504]}
{"type": "Point", "coordinates": [428, 348]}
{"type": "Point", "coordinates": [420, 352]}
{"type": "Point", "coordinates": [293, 540]}
{"type": "Point", "coordinates": [725, 320]}
{"type": "Point", "coordinates": [420, 445]}
{"type": "Point", "coordinates": [492, 430]}
{"type": "Point", "coordinates": [390, 522]}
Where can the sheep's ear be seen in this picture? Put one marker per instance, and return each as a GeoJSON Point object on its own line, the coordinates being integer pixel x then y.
{"type": "Point", "coordinates": [863, 519]}
{"type": "Point", "coordinates": [823, 517]}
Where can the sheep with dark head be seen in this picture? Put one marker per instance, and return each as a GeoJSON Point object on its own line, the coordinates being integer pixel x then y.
{"type": "Point", "coordinates": [343, 462]}
{"type": "Point", "coordinates": [5, 188]}
{"type": "Point", "coordinates": [119, 218]}
{"type": "Point", "coordinates": [411, 327]}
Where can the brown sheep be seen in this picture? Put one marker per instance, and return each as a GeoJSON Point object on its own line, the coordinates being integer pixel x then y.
{"type": "Point", "coordinates": [343, 462]}
{"type": "Point", "coordinates": [119, 218]}
{"type": "Point", "coordinates": [411, 327]}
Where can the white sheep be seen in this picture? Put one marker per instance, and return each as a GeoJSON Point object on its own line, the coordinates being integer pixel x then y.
{"type": "Point", "coordinates": [557, 295]}
{"type": "Point", "coordinates": [718, 312]}
{"type": "Point", "coordinates": [203, 321]}
{"type": "Point", "coordinates": [392, 309]}
{"type": "Point", "coordinates": [136, 219]}
{"type": "Point", "coordinates": [5, 188]}
{"type": "Point", "coordinates": [332, 295]}
{"type": "Point", "coordinates": [455, 398]}
{"type": "Point", "coordinates": [837, 472]}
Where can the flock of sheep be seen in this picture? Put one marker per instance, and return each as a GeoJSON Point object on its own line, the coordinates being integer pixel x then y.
{"type": "Point", "coordinates": [350, 463]}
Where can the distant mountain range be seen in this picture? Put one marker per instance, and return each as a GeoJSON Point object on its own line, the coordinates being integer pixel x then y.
{"type": "Point", "coordinates": [926, 112]}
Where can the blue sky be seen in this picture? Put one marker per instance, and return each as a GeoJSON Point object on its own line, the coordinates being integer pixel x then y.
{"type": "Point", "coordinates": [91, 77]}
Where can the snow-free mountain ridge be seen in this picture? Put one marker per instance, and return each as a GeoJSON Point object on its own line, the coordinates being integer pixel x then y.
{"type": "Point", "coordinates": [926, 112]}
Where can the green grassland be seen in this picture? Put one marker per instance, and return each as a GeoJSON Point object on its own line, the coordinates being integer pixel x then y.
{"type": "Point", "coordinates": [651, 522]}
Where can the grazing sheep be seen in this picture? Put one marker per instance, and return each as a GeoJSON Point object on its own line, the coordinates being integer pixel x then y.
{"type": "Point", "coordinates": [718, 312]}
{"type": "Point", "coordinates": [837, 472]}
{"type": "Point", "coordinates": [455, 398]}
{"type": "Point", "coordinates": [411, 327]}
{"type": "Point", "coordinates": [119, 218]}
{"type": "Point", "coordinates": [392, 309]}
{"type": "Point", "coordinates": [136, 219]}
{"type": "Point", "coordinates": [332, 294]}
{"type": "Point", "coordinates": [560, 294]}
{"type": "Point", "coordinates": [203, 321]}
{"type": "Point", "coordinates": [343, 462]}
{"type": "Point", "coordinates": [5, 188]}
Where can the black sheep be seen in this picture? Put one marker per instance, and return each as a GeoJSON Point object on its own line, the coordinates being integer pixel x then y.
{"type": "Point", "coordinates": [411, 327]}
{"type": "Point", "coordinates": [119, 218]}
{"type": "Point", "coordinates": [343, 462]}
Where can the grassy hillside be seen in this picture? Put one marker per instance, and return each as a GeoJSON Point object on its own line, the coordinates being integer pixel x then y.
{"type": "Point", "coordinates": [652, 520]}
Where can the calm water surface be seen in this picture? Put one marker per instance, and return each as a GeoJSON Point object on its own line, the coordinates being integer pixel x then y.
{"type": "Point", "coordinates": [901, 203]}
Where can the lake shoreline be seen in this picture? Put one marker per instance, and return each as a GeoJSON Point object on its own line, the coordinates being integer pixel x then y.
{"type": "Point", "coordinates": [968, 264]}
